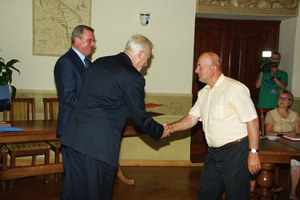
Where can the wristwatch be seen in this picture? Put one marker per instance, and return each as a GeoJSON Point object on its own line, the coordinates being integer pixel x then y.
{"type": "Point", "coordinates": [253, 150]}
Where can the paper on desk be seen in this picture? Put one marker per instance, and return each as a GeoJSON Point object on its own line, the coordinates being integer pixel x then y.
{"type": "Point", "coordinates": [296, 139]}
{"type": "Point", "coordinates": [10, 129]}
{"type": "Point", "coordinates": [4, 124]}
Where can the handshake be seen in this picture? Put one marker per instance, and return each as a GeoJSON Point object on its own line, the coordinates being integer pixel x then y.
{"type": "Point", "coordinates": [168, 129]}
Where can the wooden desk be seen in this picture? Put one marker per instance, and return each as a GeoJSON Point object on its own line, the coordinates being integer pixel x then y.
{"type": "Point", "coordinates": [38, 130]}
{"type": "Point", "coordinates": [41, 130]}
{"type": "Point", "coordinates": [293, 144]}
{"type": "Point", "coordinates": [270, 153]}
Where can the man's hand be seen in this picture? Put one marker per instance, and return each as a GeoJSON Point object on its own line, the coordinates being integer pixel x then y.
{"type": "Point", "coordinates": [167, 130]}
{"type": "Point", "coordinates": [254, 165]}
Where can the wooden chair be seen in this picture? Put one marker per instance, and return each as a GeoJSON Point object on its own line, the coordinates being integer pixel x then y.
{"type": "Point", "coordinates": [51, 106]}
{"type": "Point", "coordinates": [263, 113]}
{"type": "Point", "coordinates": [24, 109]}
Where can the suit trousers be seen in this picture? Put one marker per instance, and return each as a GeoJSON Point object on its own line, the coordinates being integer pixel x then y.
{"type": "Point", "coordinates": [226, 169]}
{"type": "Point", "coordinates": [66, 190]}
{"type": "Point", "coordinates": [92, 179]}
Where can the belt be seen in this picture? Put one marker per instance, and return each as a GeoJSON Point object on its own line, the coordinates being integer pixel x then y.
{"type": "Point", "coordinates": [221, 148]}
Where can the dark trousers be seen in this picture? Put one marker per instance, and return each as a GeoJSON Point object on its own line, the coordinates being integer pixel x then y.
{"type": "Point", "coordinates": [66, 190]}
{"type": "Point", "coordinates": [226, 169]}
{"type": "Point", "coordinates": [91, 178]}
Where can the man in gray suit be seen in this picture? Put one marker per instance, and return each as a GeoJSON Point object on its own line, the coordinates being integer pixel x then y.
{"type": "Point", "coordinates": [112, 88]}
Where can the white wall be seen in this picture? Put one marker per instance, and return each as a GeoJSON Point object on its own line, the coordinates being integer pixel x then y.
{"type": "Point", "coordinates": [296, 61]}
{"type": "Point", "coordinates": [171, 29]}
{"type": "Point", "coordinates": [287, 49]}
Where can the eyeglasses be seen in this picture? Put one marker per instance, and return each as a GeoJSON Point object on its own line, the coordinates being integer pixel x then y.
{"type": "Point", "coordinates": [284, 99]}
{"type": "Point", "coordinates": [88, 40]}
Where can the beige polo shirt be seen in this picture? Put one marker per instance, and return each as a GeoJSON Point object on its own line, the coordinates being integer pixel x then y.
{"type": "Point", "coordinates": [280, 124]}
{"type": "Point", "coordinates": [224, 111]}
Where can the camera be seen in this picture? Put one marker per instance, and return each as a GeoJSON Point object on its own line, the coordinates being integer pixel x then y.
{"type": "Point", "coordinates": [144, 18]}
{"type": "Point", "coordinates": [267, 64]}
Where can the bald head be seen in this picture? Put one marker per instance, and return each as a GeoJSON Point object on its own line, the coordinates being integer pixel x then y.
{"type": "Point", "coordinates": [211, 58]}
{"type": "Point", "coordinates": [208, 68]}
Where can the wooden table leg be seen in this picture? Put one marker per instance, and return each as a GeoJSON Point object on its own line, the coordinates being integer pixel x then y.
{"type": "Point", "coordinates": [123, 178]}
{"type": "Point", "coordinates": [265, 181]}
{"type": "Point", "coordinates": [1, 156]}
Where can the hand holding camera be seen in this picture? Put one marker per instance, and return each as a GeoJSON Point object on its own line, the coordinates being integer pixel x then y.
{"type": "Point", "coordinates": [266, 66]}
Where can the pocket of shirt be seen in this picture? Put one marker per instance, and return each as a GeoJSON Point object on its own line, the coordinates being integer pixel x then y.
{"type": "Point", "coordinates": [217, 112]}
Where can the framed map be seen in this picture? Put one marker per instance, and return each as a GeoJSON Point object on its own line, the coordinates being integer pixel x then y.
{"type": "Point", "coordinates": [53, 23]}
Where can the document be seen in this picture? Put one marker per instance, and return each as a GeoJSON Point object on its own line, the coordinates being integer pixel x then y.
{"type": "Point", "coordinates": [296, 139]}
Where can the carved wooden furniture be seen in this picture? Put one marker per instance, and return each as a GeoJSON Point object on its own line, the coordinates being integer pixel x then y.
{"type": "Point", "coordinates": [34, 130]}
{"type": "Point", "coordinates": [24, 109]}
{"type": "Point", "coordinates": [51, 106]}
{"type": "Point", "coordinates": [270, 153]}
{"type": "Point", "coordinates": [41, 130]}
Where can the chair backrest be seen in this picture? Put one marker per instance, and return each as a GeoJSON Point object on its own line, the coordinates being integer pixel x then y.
{"type": "Point", "coordinates": [263, 113]}
{"type": "Point", "coordinates": [20, 109]}
{"type": "Point", "coordinates": [51, 106]}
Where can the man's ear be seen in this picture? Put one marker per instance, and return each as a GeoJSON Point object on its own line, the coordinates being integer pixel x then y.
{"type": "Point", "coordinates": [140, 54]}
{"type": "Point", "coordinates": [214, 68]}
{"type": "Point", "coordinates": [77, 39]}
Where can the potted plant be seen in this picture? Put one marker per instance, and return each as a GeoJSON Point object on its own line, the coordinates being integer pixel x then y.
{"type": "Point", "coordinates": [6, 70]}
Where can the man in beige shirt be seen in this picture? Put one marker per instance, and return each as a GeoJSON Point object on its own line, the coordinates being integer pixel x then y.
{"type": "Point", "coordinates": [231, 129]}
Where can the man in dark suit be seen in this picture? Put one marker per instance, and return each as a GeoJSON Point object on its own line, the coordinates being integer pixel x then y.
{"type": "Point", "coordinates": [111, 89]}
{"type": "Point", "coordinates": [68, 72]}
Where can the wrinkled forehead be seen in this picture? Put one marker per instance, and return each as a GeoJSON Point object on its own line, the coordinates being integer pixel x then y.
{"type": "Point", "coordinates": [204, 61]}
{"type": "Point", "coordinates": [285, 95]}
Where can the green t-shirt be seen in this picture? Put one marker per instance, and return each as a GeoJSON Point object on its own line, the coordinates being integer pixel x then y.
{"type": "Point", "coordinates": [268, 92]}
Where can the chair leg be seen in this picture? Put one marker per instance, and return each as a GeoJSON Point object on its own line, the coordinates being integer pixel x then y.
{"type": "Point", "coordinates": [47, 159]}
{"type": "Point", "coordinates": [4, 166]}
{"type": "Point", "coordinates": [11, 184]}
{"type": "Point", "coordinates": [276, 175]}
{"type": "Point", "coordinates": [289, 180]}
{"type": "Point", "coordinates": [12, 165]}
{"type": "Point", "coordinates": [56, 162]}
{"type": "Point", "coordinates": [33, 161]}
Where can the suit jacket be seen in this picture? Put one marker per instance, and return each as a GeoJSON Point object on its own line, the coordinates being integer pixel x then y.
{"type": "Point", "coordinates": [68, 73]}
{"type": "Point", "coordinates": [111, 90]}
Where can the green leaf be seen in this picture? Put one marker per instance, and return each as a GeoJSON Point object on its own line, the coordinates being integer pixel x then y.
{"type": "Point", "coordinates": [13, 91]}
{"type": "Point", "coordinates": [6, 71]}
{"type": "Point", "coordinates": [11, 62]}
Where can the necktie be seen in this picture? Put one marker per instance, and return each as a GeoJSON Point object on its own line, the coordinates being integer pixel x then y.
{"type": "Point", "coordinates": [86, 63]}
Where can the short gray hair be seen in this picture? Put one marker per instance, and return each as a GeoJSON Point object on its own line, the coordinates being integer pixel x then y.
{"type": "Point", "coordinates": [286, 92]}
{"type": "Point", "coordinates": [78, 31]}
{"type": "Point", "coordinates": [137, 43]}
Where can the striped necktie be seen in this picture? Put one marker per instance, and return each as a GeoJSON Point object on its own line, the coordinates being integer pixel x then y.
{"type": "Point", "coordinates": [86, 63]}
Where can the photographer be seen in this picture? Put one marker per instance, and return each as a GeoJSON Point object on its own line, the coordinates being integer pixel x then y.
{"type": "Point", "coordinates": [270, 83]}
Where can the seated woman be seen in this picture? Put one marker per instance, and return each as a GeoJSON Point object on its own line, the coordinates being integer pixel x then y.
{"type": "Point", "coordinates": [282, 120]}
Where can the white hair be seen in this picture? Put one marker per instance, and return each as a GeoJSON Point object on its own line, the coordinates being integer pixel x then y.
{"type": "Point", "coordinates": [137, 43]}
